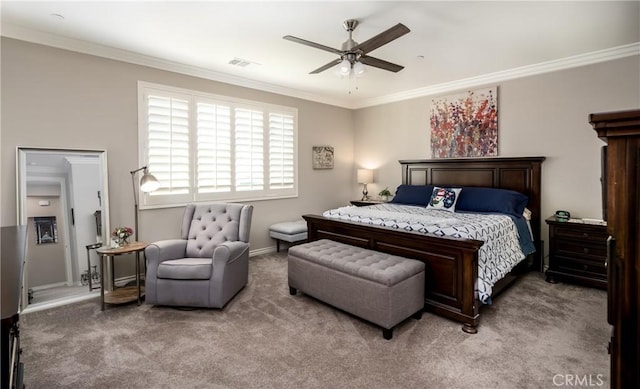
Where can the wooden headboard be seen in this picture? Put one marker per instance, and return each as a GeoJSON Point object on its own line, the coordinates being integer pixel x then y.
{"type": "Point", "coordinates": [522, 174]}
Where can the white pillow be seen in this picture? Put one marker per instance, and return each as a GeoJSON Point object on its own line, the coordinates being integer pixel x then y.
{"type": "Point", "coordinates": [444, 198]}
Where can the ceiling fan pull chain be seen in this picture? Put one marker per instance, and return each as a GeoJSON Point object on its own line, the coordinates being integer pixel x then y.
{"type": "Point", "coordinates": [353, 82]}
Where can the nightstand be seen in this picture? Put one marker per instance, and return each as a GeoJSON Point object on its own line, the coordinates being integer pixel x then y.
{"type": "Point", "coordinates": [362, 203]}
{"type": "Point", "coordinates": [577, 252]}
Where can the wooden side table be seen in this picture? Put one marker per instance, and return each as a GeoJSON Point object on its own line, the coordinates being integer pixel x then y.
{"type": "Point", "coordinates": [363, 203]}
{"type": "Point", "coordinates": [125, 294]}
{"type": "Point", "coordinates": [577, 252]}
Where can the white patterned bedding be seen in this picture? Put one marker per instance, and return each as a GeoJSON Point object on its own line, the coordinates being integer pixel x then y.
{"type": "Point", "coordinates": [498, 255]}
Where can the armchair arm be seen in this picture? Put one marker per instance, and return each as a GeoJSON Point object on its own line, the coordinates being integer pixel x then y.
{"type": "Point", "coordinates": [230, 271]}
{"type": "Point", "coordinates": [227, 252]}
{"type": "Point", "coordinates": [155, 253]}
{"type": "Point", "coordinates": [165, 250]}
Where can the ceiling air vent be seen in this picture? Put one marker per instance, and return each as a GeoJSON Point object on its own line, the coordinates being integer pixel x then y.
{"type": "Point", "coordinates": [243, 63]}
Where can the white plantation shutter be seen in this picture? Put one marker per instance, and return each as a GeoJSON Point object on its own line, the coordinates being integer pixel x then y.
{"type": "Point", "coordinates": [281, 151]}
{"type": "Point", "coordinates": [213, 166]}
{"type": "Point", "coordinates": [168, 143]}
{"type": "Point", "coordinates": [249, 128]}
{"type": "Point", "coordinates": [203, 147]}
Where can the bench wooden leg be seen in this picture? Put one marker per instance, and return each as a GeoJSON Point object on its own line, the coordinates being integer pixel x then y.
{"type": "Point", "coordinates": [277, 245]}
{"type": "Point", "coordinates": [418, 315]}
{"type": "Point", "coordinates": [292, 291]}
{"type": "Point", "coordinates": [387, 333]}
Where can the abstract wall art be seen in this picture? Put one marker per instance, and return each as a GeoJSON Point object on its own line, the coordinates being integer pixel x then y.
{"type": "Point", "coordinates": [465, 124]}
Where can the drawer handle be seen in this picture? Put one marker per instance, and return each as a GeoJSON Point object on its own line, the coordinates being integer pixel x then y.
{"type": "Point", "coordinates": [586, 250]}
{"type": "Point", "coordinates": [585, 234]}
{"type": "Point", "coordinates": [586, 267]}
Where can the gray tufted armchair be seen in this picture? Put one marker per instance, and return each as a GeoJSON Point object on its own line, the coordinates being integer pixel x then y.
{"type": "Point", "coordinates": [209, 265]}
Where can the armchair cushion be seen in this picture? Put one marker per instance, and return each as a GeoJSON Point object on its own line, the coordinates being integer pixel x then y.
{"type": "Point", "coordinates": [185, 269]}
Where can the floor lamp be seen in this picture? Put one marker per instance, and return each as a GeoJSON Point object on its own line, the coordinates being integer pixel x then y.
{"type": "Point", "coordinates": [148, 183]}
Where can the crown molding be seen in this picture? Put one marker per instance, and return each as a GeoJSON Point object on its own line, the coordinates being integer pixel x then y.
{"type": "Point", "coordinates": [39, 37]}
{"type": "Point", "coordinates": [521, 72]}
{"type": "Point", "coordinates": [16, 32]}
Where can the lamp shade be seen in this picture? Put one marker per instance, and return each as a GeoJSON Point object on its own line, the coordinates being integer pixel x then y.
{"type": "Point", "coordinates": [365, 176]}
{"type": "Point", "coordinates": [148, 183]}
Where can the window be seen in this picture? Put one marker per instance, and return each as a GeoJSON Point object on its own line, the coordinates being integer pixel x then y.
{"type": "Point", "coordinates": [203, 147]}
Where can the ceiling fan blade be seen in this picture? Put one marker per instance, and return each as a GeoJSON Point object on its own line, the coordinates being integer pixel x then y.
{"type": "Point", "coordinates": [383, 38]}
{"type": "Point", "coordinates": [327, 66]}
{"type": "Point", "coordinates": [379, 63]}
{"type": "Point", "coordinates": [312, 44]}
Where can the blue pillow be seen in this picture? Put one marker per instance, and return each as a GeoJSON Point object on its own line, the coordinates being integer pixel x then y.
{"type": "Point", "coordinates": [478, 199]}
{"type": "Point", "coordinates": [413, 195]}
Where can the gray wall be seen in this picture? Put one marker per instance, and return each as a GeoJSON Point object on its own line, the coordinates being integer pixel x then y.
{"type": "Point", "coordinates": [59, 98]}
{"type": "Point", "coordinates": [47, 264]}
{"type": "Point", "coordinates": [544, 115]}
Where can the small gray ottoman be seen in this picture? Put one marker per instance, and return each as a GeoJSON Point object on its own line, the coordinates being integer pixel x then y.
{"type": "Point", "coordinates": [381, 288]}
{"type": "Point", "coordinates": [291, 232]}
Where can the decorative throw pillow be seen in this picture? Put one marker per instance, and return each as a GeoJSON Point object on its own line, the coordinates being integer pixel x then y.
{"type": "Point", "coordinates": [480, 199]}
{"type": "Point", "coordinates": [444, 198]}
{"type": "Point", "coordinates": [413, 194]}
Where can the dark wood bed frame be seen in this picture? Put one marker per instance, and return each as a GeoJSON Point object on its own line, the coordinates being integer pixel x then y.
{"type": "Point", "coordinates": [451, 264]}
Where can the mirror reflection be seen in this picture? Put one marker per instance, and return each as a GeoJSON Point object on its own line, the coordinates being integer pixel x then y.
{"type": "Point", "coordinates": [62, 198]}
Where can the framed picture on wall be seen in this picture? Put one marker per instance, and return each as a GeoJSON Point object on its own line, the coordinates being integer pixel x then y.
{"type": "Point", "coordinates": [46, 229]}
{"type": "Point", "coordinates": [322, 157]}
{"type": "Point", "coordinates": [465, 124]}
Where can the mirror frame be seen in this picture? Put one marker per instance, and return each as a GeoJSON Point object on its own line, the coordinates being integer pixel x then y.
{"type": "Point", "coordinates": [21, 185]}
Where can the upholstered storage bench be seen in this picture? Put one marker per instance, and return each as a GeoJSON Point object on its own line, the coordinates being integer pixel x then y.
{"type": "Point", "coordinates": [291, 232]}
{"type": "Point", "coordinates": [381, 288]}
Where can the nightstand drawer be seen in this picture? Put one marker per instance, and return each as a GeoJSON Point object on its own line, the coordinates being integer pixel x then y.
{"type": "Point", "coordinates": [596, 250]}
{"type": "Point", "coordinates": [575, 265]}
{"type": "Point", "coordinates": [592, 233]}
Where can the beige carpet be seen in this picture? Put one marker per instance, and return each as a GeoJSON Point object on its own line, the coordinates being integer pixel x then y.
{"type": "Point", "coordinates": [266, 338]}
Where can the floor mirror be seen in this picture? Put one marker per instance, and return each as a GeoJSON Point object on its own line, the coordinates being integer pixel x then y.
{"type": "Point", "coordinates": [62, 197]}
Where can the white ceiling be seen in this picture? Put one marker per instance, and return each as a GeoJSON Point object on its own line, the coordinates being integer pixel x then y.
{"type": "Point", "coordinates": [452, 45]}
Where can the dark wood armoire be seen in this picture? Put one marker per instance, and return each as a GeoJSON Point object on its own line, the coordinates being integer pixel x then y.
{"type": "Point", "coordinates": [621, 177]}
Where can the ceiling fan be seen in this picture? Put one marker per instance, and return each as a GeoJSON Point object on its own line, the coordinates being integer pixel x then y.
{"type": "Point", "coordinates": [354, 54]}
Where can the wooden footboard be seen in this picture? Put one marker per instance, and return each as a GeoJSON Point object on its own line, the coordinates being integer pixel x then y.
{"type": "Point", "coordinates": [451, 264]}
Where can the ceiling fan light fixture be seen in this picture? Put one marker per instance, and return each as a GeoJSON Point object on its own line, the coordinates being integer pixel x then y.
{"type": "Point", "coordinates": [344, 67]}
{"type": "Point", "coordinates": [348, 60]}
{"type": "Point", "coordinates": [358, 69]}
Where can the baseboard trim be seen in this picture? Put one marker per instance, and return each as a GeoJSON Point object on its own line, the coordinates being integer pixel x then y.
{"type": "Point", "coordinates": [58, 303]}
{"type": "Point", "coordinates": [49, 286]}
{"type": "Point", "coordinates": [264, 250]}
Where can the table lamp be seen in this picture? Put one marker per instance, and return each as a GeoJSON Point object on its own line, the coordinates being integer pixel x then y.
{"type": "Point", "coordinates": [365, 176]}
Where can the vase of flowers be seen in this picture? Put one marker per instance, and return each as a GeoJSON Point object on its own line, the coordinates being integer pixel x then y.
{"type": "Point", "coordinates": [121, 235]}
